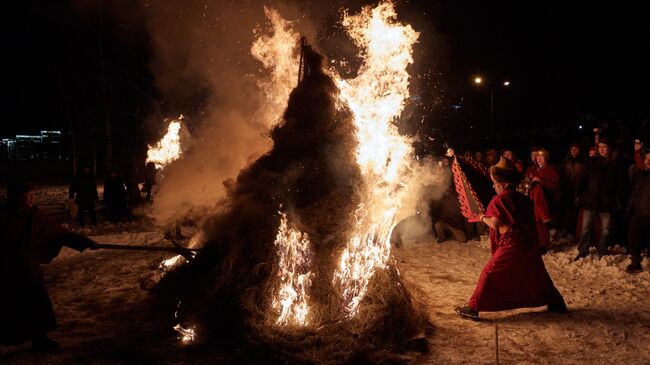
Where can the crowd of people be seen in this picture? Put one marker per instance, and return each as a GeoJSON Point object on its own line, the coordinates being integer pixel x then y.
{"type": "Point", "coordinates": [121, 192]}
{"type": "Point", "coordinates": [596, 197]}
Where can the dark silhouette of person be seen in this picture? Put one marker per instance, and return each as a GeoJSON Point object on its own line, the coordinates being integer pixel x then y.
{"type": "Point", "coordinates": [84, 191]}
{"type": "Point", "coordinates": [115, 195]}
{"type": "Point", "coordinates": [149, 179]}
{"type": "Point", "coordinates": [28, 238]}
{"type": "Point", "coordinates": [132, 189]}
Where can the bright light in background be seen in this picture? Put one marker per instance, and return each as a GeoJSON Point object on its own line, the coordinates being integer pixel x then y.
{"type": "Point", "coordinates": [478, 80]}
{"type": "Point", "coordinates": [579, 126]}
{"type": "Point", "coordinates": [506, 83]}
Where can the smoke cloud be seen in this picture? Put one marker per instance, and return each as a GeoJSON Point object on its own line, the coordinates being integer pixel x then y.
{"type": "Point", "coordinates": [203, 68]}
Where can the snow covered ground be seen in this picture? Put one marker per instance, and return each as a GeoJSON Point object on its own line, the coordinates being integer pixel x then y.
{"type": "Point", "coordinates": [105, 317]}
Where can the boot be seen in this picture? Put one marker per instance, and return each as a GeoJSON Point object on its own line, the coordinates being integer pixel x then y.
{"type": "Point", "coordinates": [467, 312]}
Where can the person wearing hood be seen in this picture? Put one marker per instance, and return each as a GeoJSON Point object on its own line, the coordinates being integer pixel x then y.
{"type": "Point", "coordinates": [28, 238]}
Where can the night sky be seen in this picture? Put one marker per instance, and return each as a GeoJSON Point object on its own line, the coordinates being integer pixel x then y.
{"type": "Point", "coordinates": [568, 64]}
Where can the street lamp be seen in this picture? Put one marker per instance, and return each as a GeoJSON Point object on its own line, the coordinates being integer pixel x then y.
{"type": "Point", "coordinates": [478, 80]}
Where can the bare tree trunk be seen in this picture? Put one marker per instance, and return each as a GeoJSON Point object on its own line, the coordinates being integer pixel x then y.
{"type": "Point", "coordinates": [102, 71]}
{"type": "Point", "coordinates": [73, 143]}
{"type": "Point", "coordinates": [93, 147]}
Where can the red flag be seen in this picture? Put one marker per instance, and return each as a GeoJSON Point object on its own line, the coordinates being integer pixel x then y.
{"type": "Point", "coordinates": [473, 186]}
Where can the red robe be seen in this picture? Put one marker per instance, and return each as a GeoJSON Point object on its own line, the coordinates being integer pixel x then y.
{"type": "Point", "coordinates": [515, 276]}
{"type": "Point", "coordinates": [545, 196]}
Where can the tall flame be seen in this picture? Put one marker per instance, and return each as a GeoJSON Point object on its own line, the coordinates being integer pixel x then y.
{"type": "Point", "coordinates": [168, 148]}
{"type": "Point", "coordinates": [279, 54]}
{"type": "Point", "coordinates": [376, 98]}
{"type": "Point", "coordinates": [295, 277]}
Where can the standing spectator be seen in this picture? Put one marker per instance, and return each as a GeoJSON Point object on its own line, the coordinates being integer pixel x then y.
{"type": "Point", "coordinates": [478, 157]}
{"type": "Point", "coordinates": [29, 238]}
{"type": "Point", "coordinates": [598, 197]}
{"type": "Point", "coordinates": [511, 156]}
{"type": "Point", "coordinates": [149, 179]}
{"type": "Point", "coordinates": [544, 192]}
{"type": "Point", "coordinates": [638, 155]}
{"type": "Point", "coordinates": [114, 195]}
{"type": "Point", "coordinates": [491, 157]}
{"type": "Point", "coordinates": [638, 209]}
{"type": "Point", "coordinates": [132, 189]}
{"type": "Point", "coordinates": [572, 178]}
{"type": "Point", "coordinates": [84, 191]}
{"type": "Point", "coordinates": [592, 152]}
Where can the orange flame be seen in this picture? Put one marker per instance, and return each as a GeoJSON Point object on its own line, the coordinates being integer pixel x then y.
{"type": "Point", "coordinates": [376, 98]}
{"type": "Point", "coordinates": [278, 53]}
{"type": "Point", "coordinates": [294, 261]}
{"type": "Point", "coordinates": [168, 148]}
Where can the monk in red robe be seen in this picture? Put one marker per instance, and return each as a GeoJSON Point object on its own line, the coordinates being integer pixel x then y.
{"type": "Point", "coordinates": [515, 276]}
{"type": "Point", "coordinates": [545, 191]}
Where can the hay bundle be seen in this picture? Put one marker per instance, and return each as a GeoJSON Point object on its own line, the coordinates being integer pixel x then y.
{"type": "Point", "coordinates": [310, 174]}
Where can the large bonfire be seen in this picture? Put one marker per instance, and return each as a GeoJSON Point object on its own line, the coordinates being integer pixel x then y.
{"type": "Point", "coordinates": [298, 258]}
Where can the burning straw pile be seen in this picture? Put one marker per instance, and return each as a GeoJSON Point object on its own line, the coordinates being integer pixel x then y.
{"type": "Point", "coordinates": [295, 267]}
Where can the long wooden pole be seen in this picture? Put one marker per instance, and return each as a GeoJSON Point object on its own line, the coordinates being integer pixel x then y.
{"type": "Point", "coordinates": [185, 252]}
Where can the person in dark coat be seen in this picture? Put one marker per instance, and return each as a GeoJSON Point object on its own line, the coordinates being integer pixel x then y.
{"type": "Point", "coordinates": [29, 238]}
{"type": "Point", "coordinates": [515, 276]}
{"type": "Point", "coordinates": [114, 195]}
{"type": "Point", "coordinates": [84, 191]}
{"type": "Point", "coordinates": [131, 179]}
{"type": "Point", "coordinates": [572, 177]}
{"type": "Point", "coordinates": [598, 198]}
{"type": "Point", "coordinates": [149, 179]}
{"type": "Point", "coordinates": [638, 209]}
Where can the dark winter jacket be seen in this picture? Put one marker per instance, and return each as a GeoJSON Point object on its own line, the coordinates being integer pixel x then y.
{"type": "Point", "coordinates": [639, 203]}
{"type": "Point", "coordinates": [84, 190]}
{"type": "Point", "coordinates": [114, 191]}
{"type": "Point", "coordinates": [28, 238]}
{"type": "Point", "coordinates": [573, 175]}
{"type": "Point", "coordinates": [599, 190]}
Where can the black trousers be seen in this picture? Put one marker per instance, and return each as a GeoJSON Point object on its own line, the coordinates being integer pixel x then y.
{"type": "Point", "coordinates": [639, 235]}
{"type": "Point", "coordinates": [83, 209]}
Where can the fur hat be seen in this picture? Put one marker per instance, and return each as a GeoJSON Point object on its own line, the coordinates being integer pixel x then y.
{"type": "Point", "coordinates": [505, 171]}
